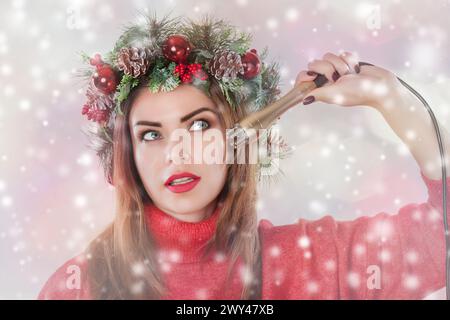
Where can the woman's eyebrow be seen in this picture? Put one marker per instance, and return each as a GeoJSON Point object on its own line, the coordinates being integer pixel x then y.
{"type": "Point", "coordinates": [183, 119]}
{"type": "Point", "coordinates": [147, 123]}
{"type": "Point", "coordinates": [193, 113]}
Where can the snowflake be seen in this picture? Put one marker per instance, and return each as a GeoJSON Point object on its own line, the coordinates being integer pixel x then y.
{"type": "Point", "coordinates": [175, 256]}
{"type": "Point", "coordinates": [246, 274]}
{"type": "Point", "coordinates": [80, 201]}
{"type": "Point", "coordinates": [169, 255]}
{"type": "Point", "coordinates": [219, 257]}
{"type": "Point", "coordinates": [278, 277]}
{"type": "Point", "coordinates": [291, 14]}
{"type": "Point", "coordinates": [411, 282]}
{"type": "Point", "coordinates": [275, 251]}
{"type": "Point", "coordinates": [202, 294]}
{"type": "Point", "coordinates": [137, 287]}
{"type": "Point", "coordinates": [304, 242]}
{"type": "Point", "coordinates": [165, 267]}
{"type": "Point", "coordinates": [317, 207]}
{"type": "Point", "coordinates": [381, 230]}
{"type": "Point", "coordinates": [380, 89]}
{"type": "Point", "coordinates": [417, 215]}
{"type": "Point", "coordinates": [325, 152]}
{"type": "Point", "coordinates": [338, 99]}
{"type": "Point", "coordinates": [385, 255]}
{"type": "Point", "coordinates": [411, 134]}
{"type": "Point", "coordinates": [6, 201]}
{"type": "Point", "coordinates": [433, 215]}
{"type": "Point", "coordinates": [84, 159]}
{"type": "Point", "coordinates": [353, 280]}
{"type": "Point", "coordinates": [330, 265]}
{"type": "Point", "coordinates": [138, 269]}
{"type": "Point", "coordinates": [412, 256]}
{"type": "Point", "coordinates": [272, 24]}
{"type": "Point", "coordinates": [312, 287]}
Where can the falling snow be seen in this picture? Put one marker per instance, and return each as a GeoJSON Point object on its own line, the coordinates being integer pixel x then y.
{"type": "Point", "coordinates": [347, 162]}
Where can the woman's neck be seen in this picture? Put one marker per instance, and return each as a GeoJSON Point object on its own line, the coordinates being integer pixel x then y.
{"type": "Point", "coordinates": [180, 241]}
{"type": "Point", "coordinates": [192, 216]}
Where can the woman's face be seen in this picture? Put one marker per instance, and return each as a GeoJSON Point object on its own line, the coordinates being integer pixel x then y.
{"type": "Point", "coordinates": [165, 129]}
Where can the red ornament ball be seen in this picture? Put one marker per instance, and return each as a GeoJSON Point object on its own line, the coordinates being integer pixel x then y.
{"type": "Point", "coordinates": [251, 64]}
{"type": "Point", "coordinates": [177, 49]}
{"type": "Point", "coordinates": [105, 79]}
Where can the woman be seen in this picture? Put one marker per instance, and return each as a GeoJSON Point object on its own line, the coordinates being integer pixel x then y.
{"type": "Point", "coordinates": [186, 230]}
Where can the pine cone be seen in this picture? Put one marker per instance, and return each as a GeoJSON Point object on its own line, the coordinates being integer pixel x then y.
{"type": "Point", "coordinates": [98, 100]}
{"type": "Point", "coordinates": [98, 106]}
{"type": "Point", "coordinates": [226, 65]}
{"type": "Point", "coordinates": [134, 61]}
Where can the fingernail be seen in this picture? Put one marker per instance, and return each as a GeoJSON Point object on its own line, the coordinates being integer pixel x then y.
{"type": "Point", "coordinates": [335, 76]}
{"type": "Point", "coordinates": [311, 73]}
{"type": "Point", "coordinates": [357, 69]}
{"type": "Point", "coordinates": [308, 100]}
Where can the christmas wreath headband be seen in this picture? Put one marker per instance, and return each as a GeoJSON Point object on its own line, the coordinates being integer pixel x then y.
{"type": "Point", "coordinates": [164, 53]}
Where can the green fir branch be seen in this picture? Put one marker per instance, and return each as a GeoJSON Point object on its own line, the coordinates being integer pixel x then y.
{"type": "Point", "coordinates": [162, 77]}
{"type": "Point", "coordinates": [211, 34]}
{"type": "Point", "coordinates": [124, 88]}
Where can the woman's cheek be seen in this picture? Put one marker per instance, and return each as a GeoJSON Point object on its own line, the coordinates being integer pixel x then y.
{"type": "Point", "coordinates": [216, 177]}
{"type": "Point", "coordinates": [148, 166]}
{"type": "Point", "coordinates": [213, 151]}
{"type": "Point", "coordinates": [223, 177]}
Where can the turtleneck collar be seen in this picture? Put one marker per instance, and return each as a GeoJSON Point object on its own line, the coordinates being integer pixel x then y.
{"type": "Point", "coordinates": [179, 241]}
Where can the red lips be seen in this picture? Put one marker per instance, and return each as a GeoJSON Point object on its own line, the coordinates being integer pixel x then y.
{"type": "Point", "coordinates": [183, 187]}
{"type": "Point", "coordinates": [179, 176]}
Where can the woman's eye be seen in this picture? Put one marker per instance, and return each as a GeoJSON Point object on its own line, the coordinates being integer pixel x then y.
{"type": "Point", "coordinates": [150, 135]}
{"type": "Point", "coordinates": [199, 125]}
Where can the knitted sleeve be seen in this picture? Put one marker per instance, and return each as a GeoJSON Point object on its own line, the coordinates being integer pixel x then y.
{"type": "Point", "coordinates": [386, 256]}
{"type": "Point", "coordinates": [68, 282]}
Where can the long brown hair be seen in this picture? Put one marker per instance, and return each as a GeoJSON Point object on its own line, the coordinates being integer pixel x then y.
{"type": "Point", "coordinates": [127, 240]}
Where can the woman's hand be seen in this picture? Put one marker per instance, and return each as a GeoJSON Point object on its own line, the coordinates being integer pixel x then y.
{"type": "Point", "coordinates": [350, 84]}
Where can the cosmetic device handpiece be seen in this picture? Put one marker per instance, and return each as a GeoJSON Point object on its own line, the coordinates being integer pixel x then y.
{"type": "Point", "coordinates": [245, 131]}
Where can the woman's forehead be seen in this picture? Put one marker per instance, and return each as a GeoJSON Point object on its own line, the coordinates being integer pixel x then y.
{"type": "Point", "coordinates": [176, 103]}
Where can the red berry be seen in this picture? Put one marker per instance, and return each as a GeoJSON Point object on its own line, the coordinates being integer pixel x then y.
{"type": "Point", "coordinates": [251, 64]}
{"type": "Point", "coordinates": [85, 109]}
{"type": "Point", "coordinates": [96, 60]}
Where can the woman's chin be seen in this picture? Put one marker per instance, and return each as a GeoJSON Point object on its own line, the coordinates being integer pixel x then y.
{"type": "Point", "coordinates": [185, 202]}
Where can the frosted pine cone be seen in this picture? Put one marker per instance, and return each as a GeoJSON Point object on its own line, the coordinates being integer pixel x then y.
{"type": "Point", "coordinates": [134, 61]}
{"type": "Point", "coordinates": [98, 106]}
{"type": "Point", "coordinates": [226, 65]}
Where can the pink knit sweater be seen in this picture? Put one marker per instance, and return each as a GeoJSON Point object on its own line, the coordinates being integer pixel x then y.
{"type": "Point", "coordinates": [399, 256]}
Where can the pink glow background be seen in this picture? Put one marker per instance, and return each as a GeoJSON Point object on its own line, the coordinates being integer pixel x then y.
{"type": "Point", "coordinates": [348, 162]}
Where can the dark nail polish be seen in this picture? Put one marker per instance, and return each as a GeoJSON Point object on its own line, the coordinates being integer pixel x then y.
{"type": "Point", "coordinates": [308, 100]}
{"type": "Point", "coordinates": [335, 76]}
{"type": "Point", "coordinates": [311, 73]}
{"type": "Point", "coordinates": [357, 69]}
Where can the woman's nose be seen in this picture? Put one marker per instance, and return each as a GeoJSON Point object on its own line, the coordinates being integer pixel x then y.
{"type": "Point", "coordinates": [177, 153]}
